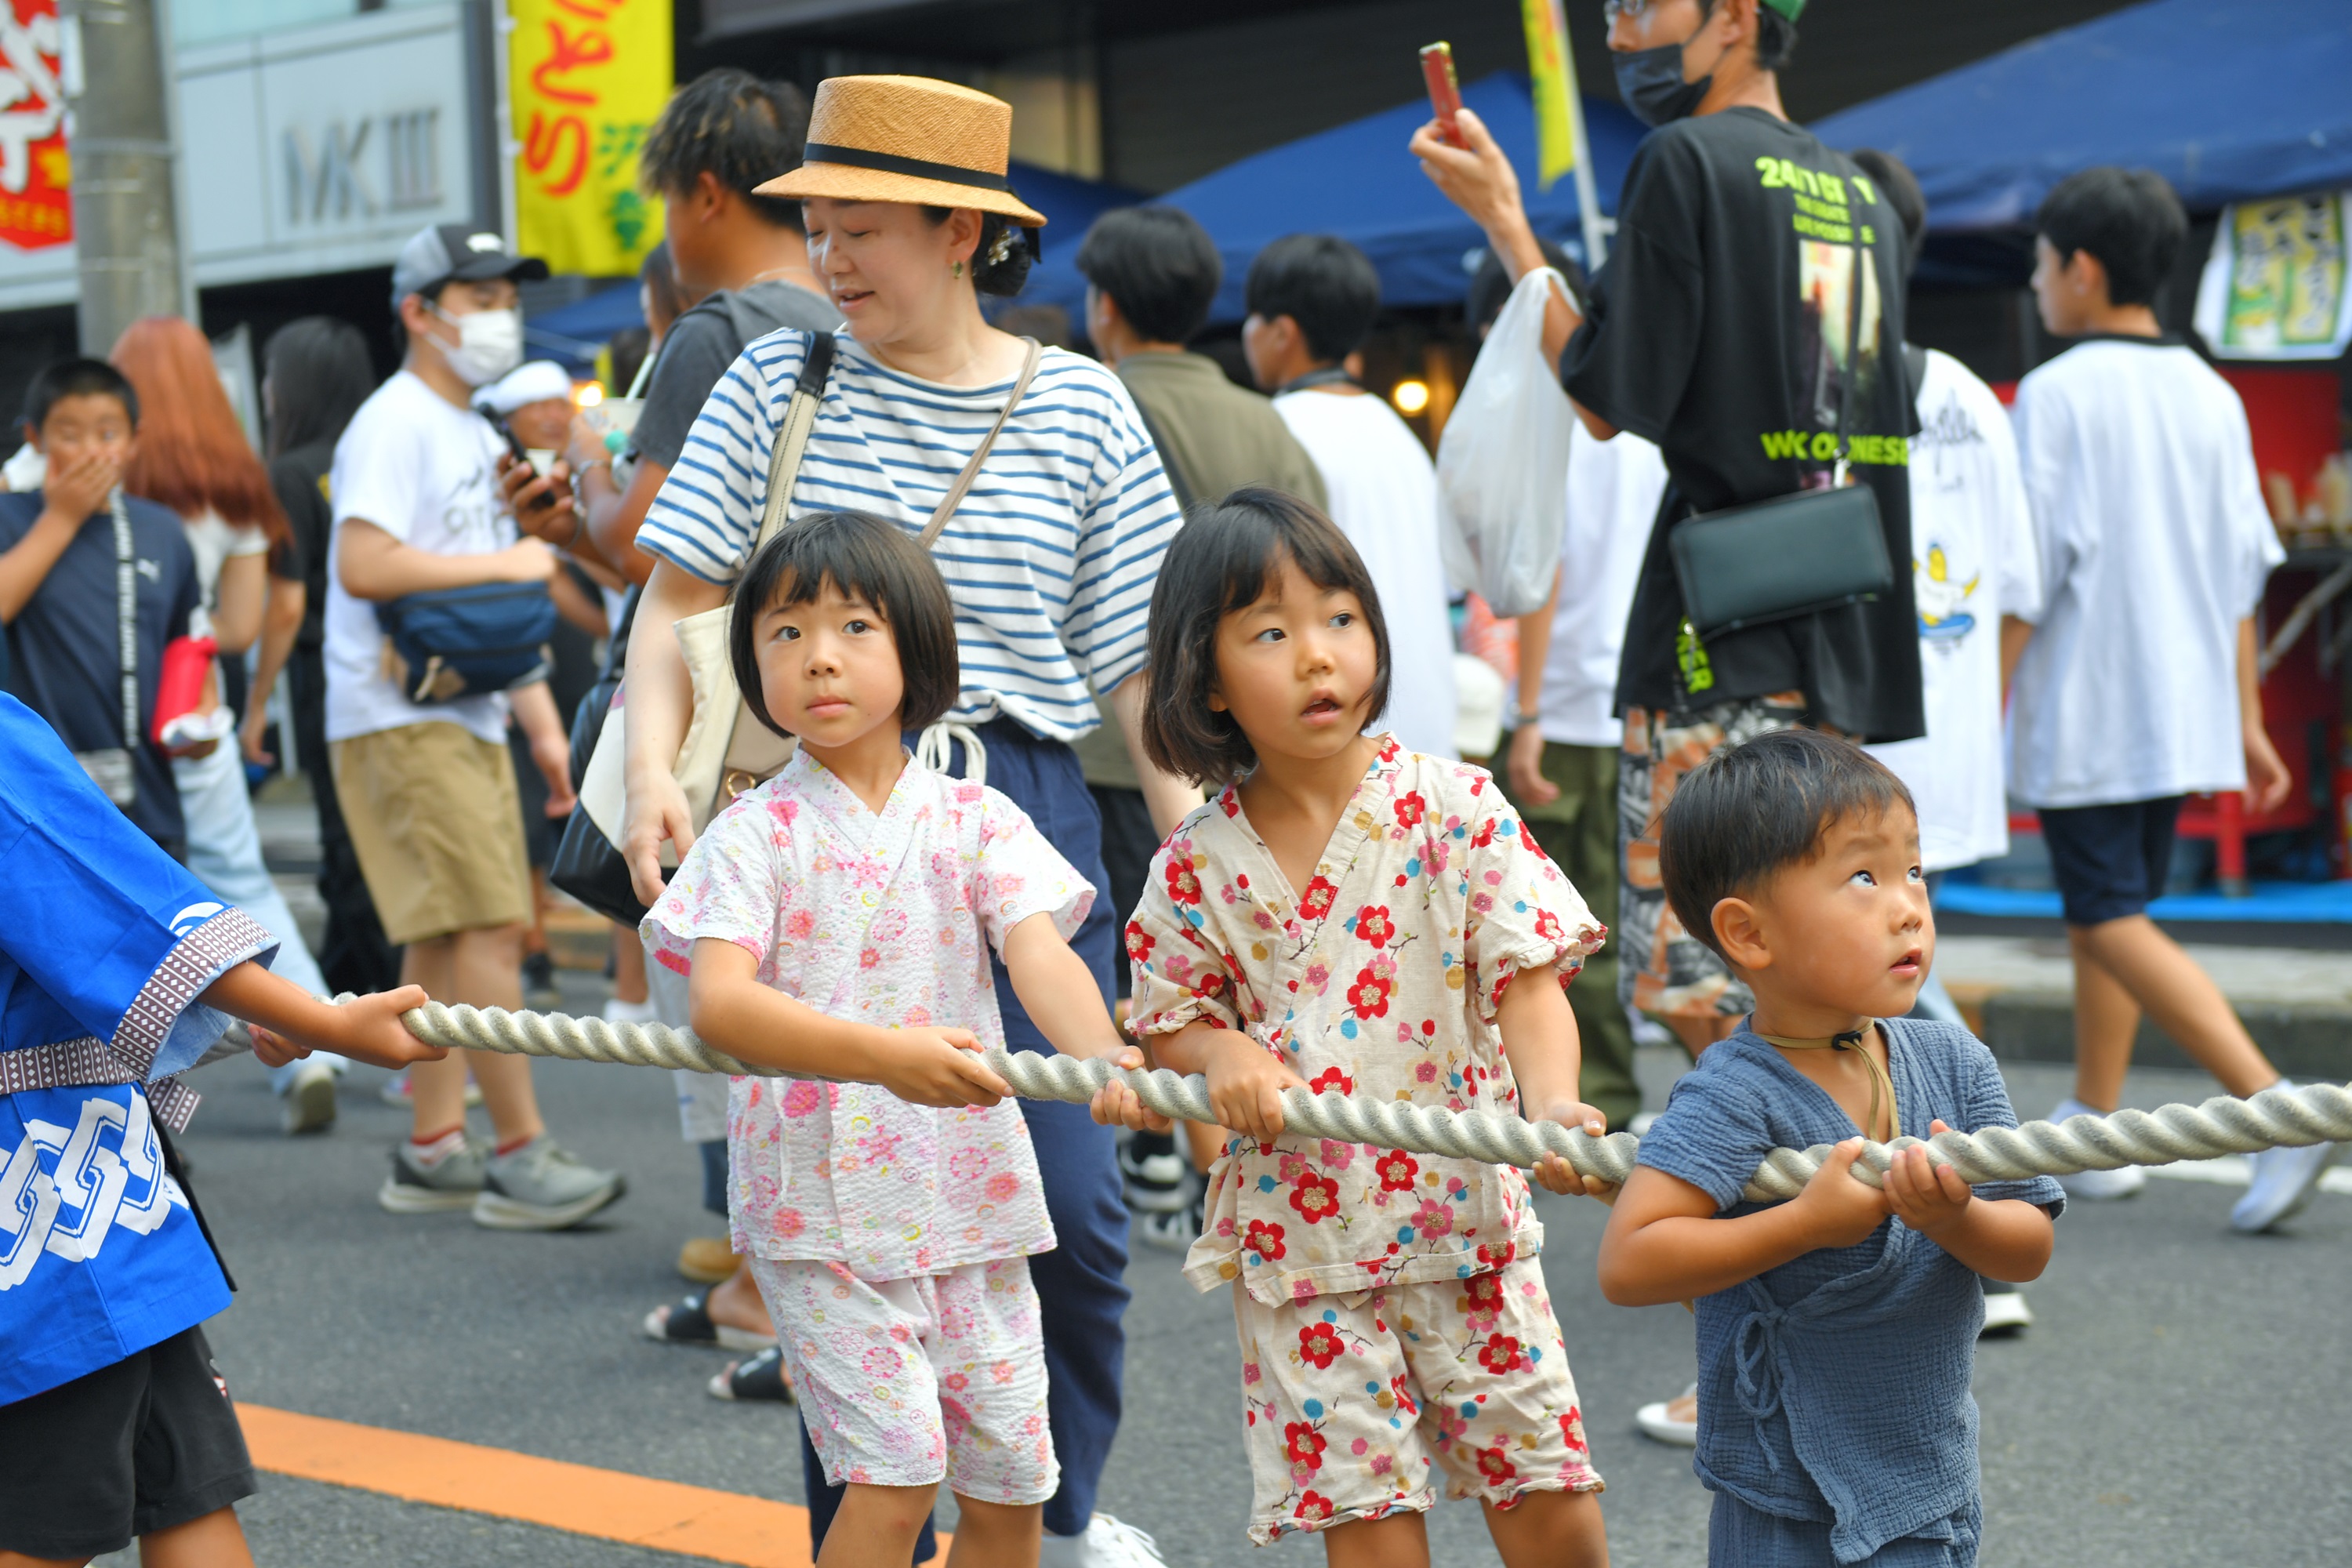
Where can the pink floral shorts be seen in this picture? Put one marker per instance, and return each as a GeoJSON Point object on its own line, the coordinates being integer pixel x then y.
{"type": "Point", "coordinates": [1355, 1400]}
{"type": "Point", "coordinates": [905, 1383]}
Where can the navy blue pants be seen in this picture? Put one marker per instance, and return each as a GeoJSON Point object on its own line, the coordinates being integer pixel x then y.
{"type": "Point", "coordinates": [1082, 1283]}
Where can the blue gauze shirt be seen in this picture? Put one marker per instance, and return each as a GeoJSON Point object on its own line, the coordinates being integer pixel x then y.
{"type": "Point", "coordinates": [1835, 1387]}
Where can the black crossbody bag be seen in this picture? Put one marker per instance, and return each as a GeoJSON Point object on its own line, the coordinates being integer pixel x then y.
{"type": "Point", "coordinates": [1795, 555]}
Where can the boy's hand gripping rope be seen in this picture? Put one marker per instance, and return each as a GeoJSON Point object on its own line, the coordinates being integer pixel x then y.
{"type": "Point", "coordinates": [2319, 1113]}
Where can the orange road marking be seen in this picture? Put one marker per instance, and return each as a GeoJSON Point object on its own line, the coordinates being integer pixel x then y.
{"type": "Point", "coordinates": [610, 1505]}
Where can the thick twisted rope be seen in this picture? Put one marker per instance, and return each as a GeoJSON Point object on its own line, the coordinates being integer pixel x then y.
{"type": "Point", "coordinates": [2319, 1113]}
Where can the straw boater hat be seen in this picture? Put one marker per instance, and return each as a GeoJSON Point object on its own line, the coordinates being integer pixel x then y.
{"type": "Point", "coordinates": [908, 139]}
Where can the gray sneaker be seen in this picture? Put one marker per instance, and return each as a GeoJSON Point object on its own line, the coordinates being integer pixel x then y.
{"type": "Point", "coordinates": [311, 1099]}
{"type": "Point", "coordinates": [540, 1186]}
{"type": "Point", "coordinates": [452, 1182]}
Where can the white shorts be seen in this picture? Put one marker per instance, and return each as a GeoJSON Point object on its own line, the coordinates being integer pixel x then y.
{"type": "Point", "coordinates": [911, 1382]}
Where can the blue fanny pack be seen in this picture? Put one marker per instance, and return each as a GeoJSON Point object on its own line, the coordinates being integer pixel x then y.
{"type": "Point", "coordinates": [463, 642]}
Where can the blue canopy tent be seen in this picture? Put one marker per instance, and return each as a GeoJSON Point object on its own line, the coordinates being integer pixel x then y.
{"type": "Point", "coordinates": [1357, 181]}
{"type": "Point", "coordinates": [2227, 99]}
{"type": "Point", "coordinates": [573, 333]}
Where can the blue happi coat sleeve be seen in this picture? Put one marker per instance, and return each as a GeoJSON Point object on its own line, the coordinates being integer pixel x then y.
{"type": "Point", "coordinates": [107, 937]}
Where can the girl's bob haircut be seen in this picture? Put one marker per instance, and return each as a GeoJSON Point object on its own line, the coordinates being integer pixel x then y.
{"type": "Point", "coordinates": [1221, 561]}
{"type": "Point", "coordinates": [877, 561]}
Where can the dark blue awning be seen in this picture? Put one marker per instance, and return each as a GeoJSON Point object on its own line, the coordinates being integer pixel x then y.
{"type": "Point", "coordinates": [1357, 180]}
{"type": "Point", "coordinates": [2228, 100]}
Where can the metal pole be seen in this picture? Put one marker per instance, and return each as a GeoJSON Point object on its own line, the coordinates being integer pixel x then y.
{"type": "Point", "coordinates": [125, 230]}
{"type": "Point", "coordinates": [1588, 199]}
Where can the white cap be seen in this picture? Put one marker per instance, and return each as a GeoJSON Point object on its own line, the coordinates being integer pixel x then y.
{"type": "Point", "coordinates": [535, 382]}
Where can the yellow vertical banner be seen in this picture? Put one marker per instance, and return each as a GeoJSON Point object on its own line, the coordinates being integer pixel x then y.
{"type": "Point", "coordinates": [585, 79]}
{"type": "Point", "coordinates": [1553, 76]}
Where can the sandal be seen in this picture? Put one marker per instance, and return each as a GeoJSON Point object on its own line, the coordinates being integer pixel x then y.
{"type": "Point", "coordinates": [689, 1324]}
{"type": "Point", "coordinates": [762, 1377]}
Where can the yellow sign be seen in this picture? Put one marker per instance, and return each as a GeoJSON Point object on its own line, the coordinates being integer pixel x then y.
{"type": "Point", "coordinates": [1552, 73]}
{"type": "Point", "coordinates": [2277, 285]}
{"type": "Point", "coordinates": [585, 79]}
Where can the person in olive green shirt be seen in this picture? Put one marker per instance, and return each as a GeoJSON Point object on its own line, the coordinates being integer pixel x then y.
{"type": "Point", "coordinates": [1151, 274]}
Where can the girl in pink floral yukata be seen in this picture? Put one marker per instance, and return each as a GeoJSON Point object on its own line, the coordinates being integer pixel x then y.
{"type": "Point", "coordinates": [837, 921]}
{"type": "Point", "coordinates": [1348, 915]}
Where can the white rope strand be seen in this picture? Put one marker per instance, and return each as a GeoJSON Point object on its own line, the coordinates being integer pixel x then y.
{"type": "Point", "coordinates": [2316, 1113]}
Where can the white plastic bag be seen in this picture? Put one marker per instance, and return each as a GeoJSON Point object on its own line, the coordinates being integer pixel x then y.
{"type": "Point", "coordinates": [1502, 464]}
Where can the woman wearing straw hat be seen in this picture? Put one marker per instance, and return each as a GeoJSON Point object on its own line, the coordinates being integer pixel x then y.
{"type": "Point", "coordinates": [1050, 554]}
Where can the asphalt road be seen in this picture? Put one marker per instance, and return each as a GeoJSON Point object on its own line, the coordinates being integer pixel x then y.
{"type": "Point", "coordinates": [2181, 1399]}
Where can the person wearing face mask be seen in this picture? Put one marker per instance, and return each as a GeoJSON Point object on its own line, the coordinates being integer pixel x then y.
{"type": "Point", "coordinates": [428, 792]}
{"type": "Point", "coordinates": [1717, 330]}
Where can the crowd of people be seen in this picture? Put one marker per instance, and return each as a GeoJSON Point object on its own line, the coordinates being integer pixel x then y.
{"type": "Point", "coordinates": [1098, 704]}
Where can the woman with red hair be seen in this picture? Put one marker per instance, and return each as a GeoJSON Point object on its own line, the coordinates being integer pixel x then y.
{"type": "Point", "coordinates": [194, 458]}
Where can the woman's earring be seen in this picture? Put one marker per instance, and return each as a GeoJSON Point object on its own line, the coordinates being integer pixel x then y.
{"type": "Point", "coordinates": [955, 268]}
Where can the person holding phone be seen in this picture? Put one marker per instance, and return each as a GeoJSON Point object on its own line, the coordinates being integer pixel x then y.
{"type": "Point", "coordinates": [1717, 330]}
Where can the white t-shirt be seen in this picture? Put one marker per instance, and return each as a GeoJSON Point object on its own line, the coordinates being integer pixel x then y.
{"type": "Point", "coordinates": [1383, 490]}
{"type": "Point", "coordinates": [1612, 503]}
{"type": "Point", "coordinates": [2155, 543]}
{"type": "Point", "coordinates": [424, 471]}
{"type": "Point", "coordinates": [214, 541]}
{"type": "Point", "coordinates": [1972, 562]}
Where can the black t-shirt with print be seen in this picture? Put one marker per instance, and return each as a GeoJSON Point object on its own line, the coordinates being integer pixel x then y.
{"type": "Point", "coordinates": [1716, 330]}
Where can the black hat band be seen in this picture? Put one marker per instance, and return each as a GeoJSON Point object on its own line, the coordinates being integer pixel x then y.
{"type": "Point", "coordinates": [920, 168]}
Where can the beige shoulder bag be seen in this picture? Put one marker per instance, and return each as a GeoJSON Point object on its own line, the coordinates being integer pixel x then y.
{"type": "Point", "coordinates": [727, 750]}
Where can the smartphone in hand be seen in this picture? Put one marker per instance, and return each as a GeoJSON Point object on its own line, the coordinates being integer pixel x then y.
{"type": "Point", "coordinates": [1445, 91]}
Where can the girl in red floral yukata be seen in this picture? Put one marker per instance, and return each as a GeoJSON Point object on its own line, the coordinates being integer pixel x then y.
{"type": "Point", "coordinates": [1348, 915]}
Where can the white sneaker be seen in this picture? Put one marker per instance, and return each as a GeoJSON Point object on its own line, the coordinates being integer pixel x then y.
{"type": "Point", "coordinates": [619, 1011]}
{"type": "Point", "coordinates": [2283, 1181]}
{"type": "Point", "coordinates": [2006, 1314]}
{"type": "Point", "coordinates": [1106, 1543]}
{"type": "Point", "coordinates": [2098, 1187]}
{"type": "Point", "coordinates": [1661, 1423]}
{"type": "Point", "coordinates": [310, 1098]}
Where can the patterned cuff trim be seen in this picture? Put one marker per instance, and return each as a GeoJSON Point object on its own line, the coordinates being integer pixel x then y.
{"type": "Point", "coordinates": [202, 956]}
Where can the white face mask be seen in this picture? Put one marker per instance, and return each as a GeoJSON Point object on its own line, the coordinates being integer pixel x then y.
{"type": "Point", "coordinates": [489, 344]}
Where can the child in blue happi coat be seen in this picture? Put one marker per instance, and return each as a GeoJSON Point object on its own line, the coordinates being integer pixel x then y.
{"type": "Point", "coordinates": [118, 972]}
{"type": "Point", "coordinates": [1836, 1332]}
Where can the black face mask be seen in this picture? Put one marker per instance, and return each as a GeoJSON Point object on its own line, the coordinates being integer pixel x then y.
{"type": "Point", "coordinates": [1651, 82]}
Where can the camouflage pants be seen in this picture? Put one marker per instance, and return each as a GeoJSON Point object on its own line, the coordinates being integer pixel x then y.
{"type": "Point", "coordinates": [1661, 969]}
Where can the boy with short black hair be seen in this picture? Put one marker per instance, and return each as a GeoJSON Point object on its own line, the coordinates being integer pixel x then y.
{"type": "Point", "coordinates": [75, 571]}
{"type": "Point", "coordinates": [2139, 684]}
{"type": "Point", "coordinates": [1836, 1332]}
{"type": "Point", "coordinates": [1312, 300]}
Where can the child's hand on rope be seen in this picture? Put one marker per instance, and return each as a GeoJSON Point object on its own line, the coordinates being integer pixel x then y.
{"type": "Point", "coordinates": [1116, 1105]}
{"type": "Point", "coordinates": [1839, 1210]}
{"type": "Point", "coordinates": [1246, 1085]}
{"type": "Point", "coordinates": [1928, 1197]}
{"type": "Point", "coordinates": [939, 1068]}
{"type": "Point", "coordinates": [1553, 1173]}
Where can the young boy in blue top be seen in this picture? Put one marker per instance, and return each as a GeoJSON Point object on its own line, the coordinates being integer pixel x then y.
{"type": "Point", "coordinates": [1836, 1332]}
{"type": "Point", "coordinates": [119, 974]}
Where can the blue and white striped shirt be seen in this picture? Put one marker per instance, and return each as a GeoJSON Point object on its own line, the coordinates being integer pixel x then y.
{"type": "Point", "coordinates": [1051, 557]}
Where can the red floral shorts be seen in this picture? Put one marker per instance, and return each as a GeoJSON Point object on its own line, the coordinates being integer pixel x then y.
{"type": "Point", "coordinates": [1356, 1401]}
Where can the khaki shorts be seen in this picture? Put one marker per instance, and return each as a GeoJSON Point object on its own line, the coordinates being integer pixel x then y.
{"type": "Point", "coordinates": [433, 812]}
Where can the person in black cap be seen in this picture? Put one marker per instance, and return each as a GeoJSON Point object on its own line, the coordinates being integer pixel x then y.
{"type": "Point", "coordinates": [428, 790]}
